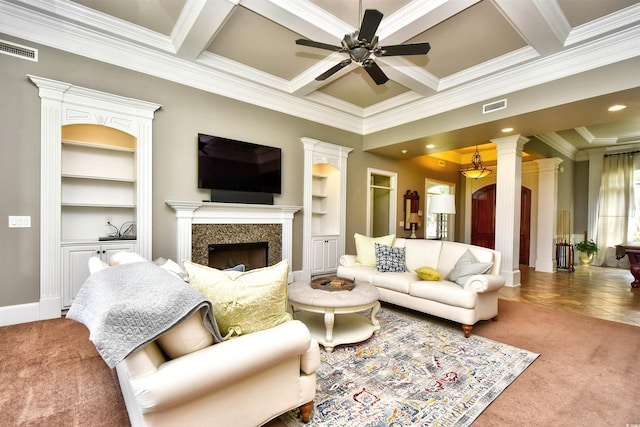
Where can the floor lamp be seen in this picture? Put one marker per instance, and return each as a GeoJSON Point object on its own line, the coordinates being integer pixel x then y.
{"type": "Point", "coordinates": [442, 204]}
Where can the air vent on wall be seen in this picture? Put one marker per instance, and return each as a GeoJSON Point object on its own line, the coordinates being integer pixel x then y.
{"type": "Point", "coordinates": [494, 106]}
{"type": "Point", "coordinates": [14, 49]}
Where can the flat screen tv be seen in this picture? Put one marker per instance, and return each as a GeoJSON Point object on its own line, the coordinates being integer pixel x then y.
{"type": "Point", "coordinates": [237, 171]}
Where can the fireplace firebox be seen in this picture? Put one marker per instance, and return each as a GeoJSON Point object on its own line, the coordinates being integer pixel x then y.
{"type": "Point", "coordinates": [227, 255]}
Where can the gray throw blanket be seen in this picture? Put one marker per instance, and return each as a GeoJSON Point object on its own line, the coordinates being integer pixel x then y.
{"type": "Point", "coordinates": [127, 306]}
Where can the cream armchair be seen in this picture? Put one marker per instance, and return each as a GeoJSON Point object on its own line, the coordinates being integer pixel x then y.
{"type": "Point", "coordinates": [183, 379]}
{"type": "Point", "coordinates": [245, 381]}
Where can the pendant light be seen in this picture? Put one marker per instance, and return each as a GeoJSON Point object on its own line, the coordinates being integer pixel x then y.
{"type": "Point", "coordinates": [477, 170]}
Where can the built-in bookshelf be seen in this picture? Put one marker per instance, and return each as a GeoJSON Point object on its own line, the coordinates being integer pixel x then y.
{"type": "Point", "coordinates": [98, 183]}
{"type": "Point", "coordinates": [324, 213]}
{"type": "Point", "coordinates": [96, 166]}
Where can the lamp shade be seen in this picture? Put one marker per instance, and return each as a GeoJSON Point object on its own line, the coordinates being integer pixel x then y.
{"type": "Point", "coordinates": [442, 204]}
{"type": "Point", "coordinates": [414, 218]}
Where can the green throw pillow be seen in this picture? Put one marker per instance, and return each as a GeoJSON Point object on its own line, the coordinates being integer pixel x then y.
{"type": "Point", "coordinates": [244, 302]}
{"type": "Point", "coordinates": [428, 273]}
{"type": "Point", "coordinates": [366, 250]}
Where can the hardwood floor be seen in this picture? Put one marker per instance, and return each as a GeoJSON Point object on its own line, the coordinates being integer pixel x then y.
{"type": "Point", "coordinates": [601, 292]}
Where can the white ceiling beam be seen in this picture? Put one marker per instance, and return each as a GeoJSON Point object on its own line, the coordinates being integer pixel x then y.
{"type": "Point", "coordinates": [302, 17]}
{"type": "Point", "coordinates": [417, 17]}
{"type": "Point", "coordinates": [305, 83]}
{"type": "Point", "coordinates": [405, 72]}
{"type": "Point", "coordinates": [540, 23]}
{"type": "Point", "coordinates": [198, 23]}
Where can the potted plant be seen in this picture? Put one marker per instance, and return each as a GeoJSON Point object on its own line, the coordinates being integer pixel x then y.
{"type": "Point", "coordinates": [587, 249]}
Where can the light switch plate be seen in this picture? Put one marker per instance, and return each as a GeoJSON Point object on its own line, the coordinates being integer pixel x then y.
{"type": "Point", "coordinates": [19, 221]}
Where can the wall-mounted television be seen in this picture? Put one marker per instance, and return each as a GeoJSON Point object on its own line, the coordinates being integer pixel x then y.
{"type": "Point", "coordinates": [238, 171]}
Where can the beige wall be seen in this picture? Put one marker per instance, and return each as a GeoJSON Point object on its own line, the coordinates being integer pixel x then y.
{"type": "Point", "coordinates": [184, 113]}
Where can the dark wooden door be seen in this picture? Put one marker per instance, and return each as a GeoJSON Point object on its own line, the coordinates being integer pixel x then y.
{"type": "Point", "coordinates": [483, 217]}
{"type": "Point", "coordinates": [525, 225]}
{"type": "Point", "coordinates": [483, 220]}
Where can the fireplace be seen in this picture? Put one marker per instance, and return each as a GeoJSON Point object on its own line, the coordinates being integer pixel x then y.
{"type": "Point", "coordinates": [244, 235]}
{"type": "Point", "coordinates": [228, 255]}
{"type": "Point", "coordinates": [199, 224]}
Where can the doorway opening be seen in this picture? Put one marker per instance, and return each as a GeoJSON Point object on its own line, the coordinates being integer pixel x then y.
{"type": "Point", "coordinates": [381, 202]}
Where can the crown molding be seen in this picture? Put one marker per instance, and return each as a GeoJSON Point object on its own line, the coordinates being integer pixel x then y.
{"type": "Point", "coordinates": [558, 143]}
{"type": "Point", "coordinates": [33, 20]}
{"type": "Point", "coordinates": [612, 22]}
{"type": "Point", "coordinates": [620, 46]}
{"type": "Point", "coordinates": [505, 61]}
{"type": "Point", "coordinates": [74, 12]}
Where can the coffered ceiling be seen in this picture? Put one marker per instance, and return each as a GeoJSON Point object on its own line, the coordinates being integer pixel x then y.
{"type": "Point", "coordinates": [481, 50]}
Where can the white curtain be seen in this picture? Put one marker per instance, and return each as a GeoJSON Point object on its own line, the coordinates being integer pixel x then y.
{"type": "Point", "coordinates": [616, 204]}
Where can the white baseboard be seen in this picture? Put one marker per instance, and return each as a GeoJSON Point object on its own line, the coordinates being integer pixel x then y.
{"type": "Point", "coordinates": [21, 313]}
{"type": "Point", "coordinates": [297, 276]}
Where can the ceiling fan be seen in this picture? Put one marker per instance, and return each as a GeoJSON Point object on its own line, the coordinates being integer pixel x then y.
{"type": "Point", "coordinates": [362, 47]}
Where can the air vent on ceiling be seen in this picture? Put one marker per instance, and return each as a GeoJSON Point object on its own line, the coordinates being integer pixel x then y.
{"type": "Point", "coordinates": [494, 106]}
{"type": "Point", "coordinates": [14, 49]}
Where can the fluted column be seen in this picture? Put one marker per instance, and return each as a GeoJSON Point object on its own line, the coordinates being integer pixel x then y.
{"type": "Point", "coordinates": [508, 190]}
{"type": "Point", "coordinates": [547, 214]}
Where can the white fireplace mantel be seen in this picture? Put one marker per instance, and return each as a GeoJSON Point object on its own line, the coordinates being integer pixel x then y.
{"type": "Point", "coordinates": [189, 213]}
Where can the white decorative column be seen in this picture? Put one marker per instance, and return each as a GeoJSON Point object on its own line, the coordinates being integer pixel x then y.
{"type": "Point", "coordinates": [189, 213]}
{"type": "Point", "coordinates": [51, 96]}
{"type": "Point", "coordinates": [547, 213]}
{"type": "Point", "coordinates": [508, 191]}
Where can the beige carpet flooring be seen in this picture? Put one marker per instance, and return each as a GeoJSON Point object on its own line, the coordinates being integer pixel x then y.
{"type": "Point", "coordinates": [587, 373]}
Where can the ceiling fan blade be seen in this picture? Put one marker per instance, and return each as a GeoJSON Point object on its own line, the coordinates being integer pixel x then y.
{"type": "Point", "coordinates": [331, 71]}
{"type": "Point", "coordinates": [305, 42]}
{"type": "Point", "coordinates": [404, 49]}
{"type": "Point", "coordinates": [369, 26]}
{"type": "Point", "coordinates": [375, 72]}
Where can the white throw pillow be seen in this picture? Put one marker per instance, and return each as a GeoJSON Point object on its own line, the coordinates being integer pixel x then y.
{"type": "Point", "coordinates": [125, 257]}
{"type": "Point", "coordinates": [172, 267]}
{"type": "Point", "coordinates": [466, 267]}
{"type": "Point", "coordinates": [366, 249]}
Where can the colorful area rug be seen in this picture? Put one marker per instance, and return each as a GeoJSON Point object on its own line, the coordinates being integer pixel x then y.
{"type": "Point", "coordinates": [412, 373]}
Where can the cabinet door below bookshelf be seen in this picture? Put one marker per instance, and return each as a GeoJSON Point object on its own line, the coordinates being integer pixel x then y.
{"type": "Point", "coordinates": [324, 254]}
{"type": "Point", "coordinates": [75, 259]}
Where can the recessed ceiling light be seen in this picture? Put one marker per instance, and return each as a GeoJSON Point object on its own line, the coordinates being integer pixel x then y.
{"type": "Point", "coordinates": [404, 151]}
{"type": "Point", "coordinates": [617, 107]}
{"type": "Point", "coordinates": [505, 130]}
{"type": "Point", "coordinates": [429, 146]}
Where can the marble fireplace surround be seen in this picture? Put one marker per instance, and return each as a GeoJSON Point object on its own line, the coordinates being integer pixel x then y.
{"type": "Point", "coordinates": [190, 216]}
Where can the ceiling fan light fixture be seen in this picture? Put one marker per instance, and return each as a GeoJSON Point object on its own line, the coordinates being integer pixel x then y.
{"type": "Point", "coordinates": [359, 54]}
{"type": "Point", "coordinates": [362, 47]}
{"type": "Point", "coordinates": [477, 169]}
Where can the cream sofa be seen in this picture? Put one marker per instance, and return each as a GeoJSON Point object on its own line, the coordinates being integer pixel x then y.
{"type": "Point", "coordinates": [475, 299]}
{"type": "Point", "coordinates": [183, 379]}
